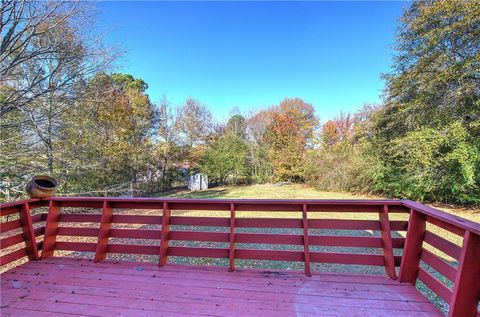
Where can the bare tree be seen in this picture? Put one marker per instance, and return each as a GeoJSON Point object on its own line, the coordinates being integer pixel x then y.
{"type": "Point", "coordinates": [194, 121]}
{"type": "Point", "coordinates": [256, 125]}
{"type": "Point", "coordinates": [48, 51]}
{"type": "Point", "coordinates": [168, 135]}
{"type": "Point", "coordinates": [45, 47]}
{"type": "Point", "coordinates": [345, 125]}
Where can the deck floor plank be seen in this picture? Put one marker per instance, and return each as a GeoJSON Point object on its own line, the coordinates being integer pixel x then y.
{"type": "Point", "coordinates": [225, 281]}
{"type": "Point", "coordinates": [401, 293]}
{"type": "Point", "coordinates": [68, 287]}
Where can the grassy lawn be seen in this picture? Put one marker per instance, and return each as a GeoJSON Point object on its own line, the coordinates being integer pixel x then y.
{"type": "Point", "coordinates": [267, 191]}
{"type": "Point", "coordinates": [298, 191]}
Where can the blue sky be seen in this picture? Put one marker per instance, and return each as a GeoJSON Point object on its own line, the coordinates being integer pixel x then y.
{"type": "Point", "coordinates": [251, 55]}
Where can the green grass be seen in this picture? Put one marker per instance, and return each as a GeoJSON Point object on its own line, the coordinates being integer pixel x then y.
{"type": "Point", "coordinates": [267, 191]}
{"type": "Point", "coordinates": [299, 191]}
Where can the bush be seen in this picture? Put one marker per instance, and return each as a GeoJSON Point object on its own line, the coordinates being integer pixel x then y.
{"type": "Point", "coordinates": [431, 164]}
{"type": "Point", "coordinates": [342, 167]}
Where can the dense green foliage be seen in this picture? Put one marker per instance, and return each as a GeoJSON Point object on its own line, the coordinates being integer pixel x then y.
{"type": "Point", "coordinates": [434, 164]}
{"type": "Point", "coordinates": [227, 157]}
{"type": "Point", "coordinates": [428, 130]}
{"type": "Point", "coordinates": [424, 142]}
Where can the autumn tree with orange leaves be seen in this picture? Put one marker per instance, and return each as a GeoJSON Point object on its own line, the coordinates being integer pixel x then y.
{"type": "Point", "coordinates": [289, 134]}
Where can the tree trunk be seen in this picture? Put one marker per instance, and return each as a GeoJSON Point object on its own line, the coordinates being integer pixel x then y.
{"type": "Point", "coordinates": [164, 171]}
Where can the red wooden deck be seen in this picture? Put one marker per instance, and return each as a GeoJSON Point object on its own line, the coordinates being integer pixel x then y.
{"type": "Point", "coordinates": [68, 287]}
{"type": "Point", "coordinates": [48, 285]}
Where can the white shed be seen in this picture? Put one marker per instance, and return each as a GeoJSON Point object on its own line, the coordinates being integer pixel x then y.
{"type": "Point", "coordinates": [198, 181]}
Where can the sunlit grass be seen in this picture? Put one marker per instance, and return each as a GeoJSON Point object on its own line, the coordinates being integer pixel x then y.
{"type": "Point", "coordinates": [301, 191]}
{"type": "Point", "coordinates": [267, 191]}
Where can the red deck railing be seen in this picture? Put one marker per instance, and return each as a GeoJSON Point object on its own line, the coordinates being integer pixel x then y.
{"type": "Point", "coordinates": [36, 236]}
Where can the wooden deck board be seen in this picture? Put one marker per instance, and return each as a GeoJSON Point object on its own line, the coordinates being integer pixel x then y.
{"type": "Point", "coordinates": [67, 287]}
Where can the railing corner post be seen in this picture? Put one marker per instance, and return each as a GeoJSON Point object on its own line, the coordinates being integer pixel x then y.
{"type": "Point", "coordinates": [466, 290]}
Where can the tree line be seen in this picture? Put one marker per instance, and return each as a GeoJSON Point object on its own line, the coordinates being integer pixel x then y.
{"type": "Point", "coordinates": [66, 113]}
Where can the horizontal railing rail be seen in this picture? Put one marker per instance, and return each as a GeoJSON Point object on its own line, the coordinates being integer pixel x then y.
{"type": "Point", "coordinates": [104, 225]}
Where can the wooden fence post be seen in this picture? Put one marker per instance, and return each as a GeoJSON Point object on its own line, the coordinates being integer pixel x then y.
{"type": "Point", "coordinates": [412, 250]}
{"type": "Point", "coordinates": [466, 290]}
{"type": "Point", "coordinates": [306, 248]}
{"type": "Point", "coordinates": [164, 240]}
{"type": "Point", "coordinates": [104, 232]}
{"type": "Point", "coordinates": [231, 266]}
{"type": "Point", "coordinates": [28, 233]}
{"type": "Point", "coordinates": [51, 228]}
{"type": "Point", "coordinates": [387, 243]}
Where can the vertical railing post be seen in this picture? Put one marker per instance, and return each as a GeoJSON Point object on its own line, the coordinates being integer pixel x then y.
{"type": "Point", "coordinates": [28, 233]}
{"type": "Point", "coordinates": [231, 265]}
{"type": "Point", "coordinates": [387, 246]}
{"type": "Point", "coordinates": [51, 228]}
{"type": "Point", "coordinates": [104, 232]}
{"type": "Point", "coordinates": [164, 240]}
{"type": "Point", "coordinates": [466, 290]}
{"type": "Point", "coordinates": [412, 250]}
{"type": "Point", "coordinates": [306, 248]}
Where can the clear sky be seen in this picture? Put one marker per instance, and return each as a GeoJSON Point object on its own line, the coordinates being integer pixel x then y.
{"type": "Point", "coordinates": [251, 55]}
